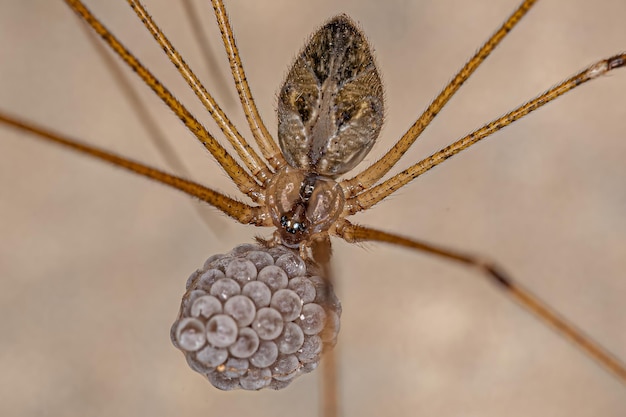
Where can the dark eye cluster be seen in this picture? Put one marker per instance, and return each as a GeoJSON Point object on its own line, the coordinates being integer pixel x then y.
{"type": "Point", "coordinates": [291, 226]}
{"type": "Point", "coordinates": [256, 318]}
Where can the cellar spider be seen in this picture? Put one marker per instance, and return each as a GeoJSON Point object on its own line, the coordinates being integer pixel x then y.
{"type": "Point", "coordinates": [469, 348]}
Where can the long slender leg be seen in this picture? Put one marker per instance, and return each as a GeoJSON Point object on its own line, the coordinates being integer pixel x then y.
{"type": "Point", "coordinates": [239, 211]}
{"type": "Point", "coordinates": [330, 404]}
{"type": "Point", "coordinates": [250, 158]}
{"type": "Point", "coordinates": [150, 124]}
{"type": "Point", "coordinates": [240, 177]}
{"type": "Point", "coordinates": [378, 169]}
{"type": "Point", "coordinates": [166, 150]}
{"type": "Point", "coordinates": [264, 140]}
{"type": "Point", "coordinates": [204, 44]}
{"type": "Point", "coordinates": [354, 233]}
{"type": "Point", "coordinates": [376, 194]}
{"type": "Point", "coordinates": [330, 387]}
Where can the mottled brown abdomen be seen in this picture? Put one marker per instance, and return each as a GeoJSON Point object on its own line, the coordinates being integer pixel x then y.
{"type": "Point", "coordinates": [330, 108]}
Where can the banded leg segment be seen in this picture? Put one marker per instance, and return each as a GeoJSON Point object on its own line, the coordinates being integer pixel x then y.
{"type": "Point", "coordinates": [150, 124]}
{"type": "Point", "coordinates": [270, 150]}
{"type": "Point", "coordinates": [244, 181]}
{"type": "Point", "coordinates": [206, 45]}
{"type": "Point", "coordinates": [156, 135]}
{"type": "Point", "coordinates": [354, 233]}
{"type": "Point", "coordinates": [376, 194]}
{"type": "Point", "coordinates": [249, 157]}
{"type": "Point", "coordinates": [329, 390]}
{"type": "Point", "coordinates": [377, 170]}
{"type": "Point", "coordinates": [239, 211]}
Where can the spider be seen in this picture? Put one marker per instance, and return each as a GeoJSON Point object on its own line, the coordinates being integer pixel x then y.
{"type": "Point", "coordinates": [389, 218]}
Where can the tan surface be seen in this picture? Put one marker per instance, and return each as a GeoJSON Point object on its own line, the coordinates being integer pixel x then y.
{"type": "Point", "coordinates": [93, 261]}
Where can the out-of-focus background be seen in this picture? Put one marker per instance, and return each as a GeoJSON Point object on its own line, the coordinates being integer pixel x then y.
{"type": "Point", "coordinates": [93, 260]}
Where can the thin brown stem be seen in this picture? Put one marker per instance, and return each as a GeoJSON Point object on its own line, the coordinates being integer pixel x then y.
{"type": "Point", "coordinates": [329, 387]}
{"type": "Point", "coordinates": [330, 404]}
{"type": "Point", "coordinates": [262, 136]}
{"type": "Point", "coordinates": [376, 194]}
{"type": "Point", "coordinates": [253, 162]}
{"type": "Point", "coordinates": [377, 170]}
{"type": "Point", "coordinates": [244, 181]}
{"type": "Point", "coordinates": [354, 233]}
{"type": "Point", "coordinates": [239, 211]}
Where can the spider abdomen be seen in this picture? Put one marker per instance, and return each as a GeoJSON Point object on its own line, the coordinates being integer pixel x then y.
{"type": "Point", "coordinates": [330, 108]}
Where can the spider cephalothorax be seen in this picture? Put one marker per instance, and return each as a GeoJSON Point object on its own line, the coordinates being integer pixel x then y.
{"type": "Point", "coordinates": [302, 204]}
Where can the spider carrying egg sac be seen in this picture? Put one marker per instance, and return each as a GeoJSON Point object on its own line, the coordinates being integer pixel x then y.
{"type": "Point", "coordinates": [256, 318]}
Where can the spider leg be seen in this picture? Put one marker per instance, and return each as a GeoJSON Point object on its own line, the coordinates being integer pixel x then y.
{"type": "Point", "coordinates": [156, 135]}
{"type": "Point", "coordinates": [378, 169]}
{"type": "Point", "coordinates": [210, 59]}
{"type": "Point", "coordinates": [329, 389]}
{"type": "Point", "coordinates": [321, 251]}
{"type": "Point", "coordinates": [244, 181]}
{"type": "Point", "coordinates": [354, 233]}
{"type": "Point", "coordinates": [239, 211]}
{"type": "Point", "coordinates": [264, 140]}
{"type": "Point", "coordinates": [253, 162]}
{"type": "Point", "coordinates": [379, 192]}
{"type": "Point", "coordinates": [126, 87]}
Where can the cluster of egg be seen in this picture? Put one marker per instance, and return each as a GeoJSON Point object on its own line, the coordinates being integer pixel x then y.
{"type": "Point", "coordinates": [256, 318]}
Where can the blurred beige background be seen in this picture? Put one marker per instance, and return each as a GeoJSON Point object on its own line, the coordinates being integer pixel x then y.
{"type": "Point", "coordinates": [93, 261]}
